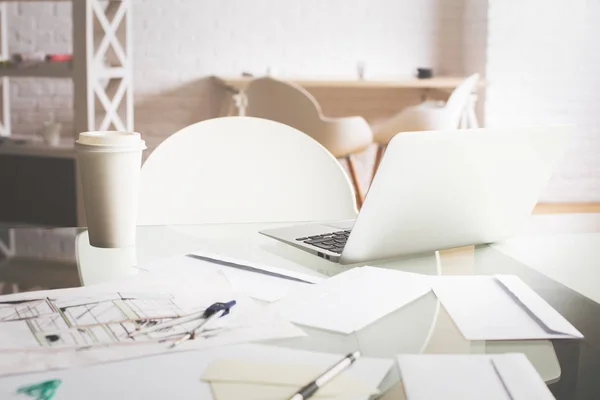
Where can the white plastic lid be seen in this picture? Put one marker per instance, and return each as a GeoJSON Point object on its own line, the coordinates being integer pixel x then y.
{"type": "Point", "coordinates": [111, 139]}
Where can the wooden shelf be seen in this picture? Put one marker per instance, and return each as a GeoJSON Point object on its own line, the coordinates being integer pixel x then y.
{"type": "Point", "coordinates": [36, 148]}
{"type": "Point", "coordinates": [41, 70]}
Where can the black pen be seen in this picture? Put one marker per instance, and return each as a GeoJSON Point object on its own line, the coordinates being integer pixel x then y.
{"type": "Point", "coordinates": [310, 389]}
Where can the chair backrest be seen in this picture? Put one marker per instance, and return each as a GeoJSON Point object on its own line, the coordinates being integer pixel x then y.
{"type": "Point", "coordinates": [459, 99]}
{"type": "Point", "coordinates": [242, 169]}
{"type": "Point", "coordinates": [283, 102]}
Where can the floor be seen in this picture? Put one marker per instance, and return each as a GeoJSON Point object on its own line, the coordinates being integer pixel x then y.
{"type": "Point", "coordinates": [561, 208]}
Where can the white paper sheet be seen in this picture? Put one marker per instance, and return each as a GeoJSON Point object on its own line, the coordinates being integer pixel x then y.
{"type": "Point", "coordinates": [260, 286]}
{"type": "Point", "coordinates": [471, 377]}
{"type": "Point", "coordinates": [353, 299]}
{"type": "Point", "coordinates": [500, 307]}
{"type": "Point", "coordinates": [96, 324]}
{"type": "Point", "coordinates": [255, 284]}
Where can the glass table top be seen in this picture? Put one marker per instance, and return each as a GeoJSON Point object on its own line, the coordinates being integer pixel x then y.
{"type": "Point", "coordinates": [40, 258]}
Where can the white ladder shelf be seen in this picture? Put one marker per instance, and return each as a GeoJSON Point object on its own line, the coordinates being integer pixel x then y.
{"type": "Point", "coordinates": [101, 69]}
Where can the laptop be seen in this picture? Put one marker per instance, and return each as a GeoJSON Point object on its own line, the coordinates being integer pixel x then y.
{"type": "Point", "coordinates": [441, 189]}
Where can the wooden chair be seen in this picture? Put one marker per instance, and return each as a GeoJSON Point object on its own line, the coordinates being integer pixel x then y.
{"type": "Point", "coordinates": [292, 105]}
{"type": "Point", "coordinates": [242, 169]}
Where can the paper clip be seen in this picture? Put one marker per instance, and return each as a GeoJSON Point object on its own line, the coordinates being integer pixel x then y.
{"type": "Point", "coordinates": [213, 312]}
{"type": "Point", "coordinates": [41, 391]}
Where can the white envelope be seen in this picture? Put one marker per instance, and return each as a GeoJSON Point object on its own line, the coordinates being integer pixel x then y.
{"type": "Point", "coordinates": [500, 307]}
{"type": "Point", "coordinates": [471, 377]}
{"type": "Point", "coordinates": [255, 267]}
{"type": "Point", "coordinates": [353, 299]}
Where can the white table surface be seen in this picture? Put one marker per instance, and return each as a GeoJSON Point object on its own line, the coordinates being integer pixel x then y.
{"type": "Point", "coordinates": [422, 326]}
{"type": "Point", "coordinates": [564, 247]}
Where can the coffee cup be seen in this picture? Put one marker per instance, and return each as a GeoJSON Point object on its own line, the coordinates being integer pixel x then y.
{"type": "Point", "coordinates": [109, 165]}
{"type": "Point", "coordinates": [51, 133]}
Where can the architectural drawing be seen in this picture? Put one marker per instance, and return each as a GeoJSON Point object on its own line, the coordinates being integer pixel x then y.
{"type": "Point", "coordinates": [25, 310]}
{"type": "Point", "coordinates": [90, 321]}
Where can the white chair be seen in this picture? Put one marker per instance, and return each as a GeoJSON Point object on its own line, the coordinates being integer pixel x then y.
{"type": "Point", "coordinates": [292, 105]}
{"type": "Point", "coordinates": [457, 112]}
{"type": "Point", "coordinates": [241, 169]}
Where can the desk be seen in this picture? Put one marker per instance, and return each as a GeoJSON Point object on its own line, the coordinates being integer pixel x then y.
{"type": "Point", "coordinates": [568, 366]}
{"type": "Point", "coordinates": [438, 82]}
{"type": "Point", "coordinates": [316, 86]}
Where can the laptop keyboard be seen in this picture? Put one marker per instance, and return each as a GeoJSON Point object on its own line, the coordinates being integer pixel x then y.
{"type": "Point", "coordinates": [334, 241]}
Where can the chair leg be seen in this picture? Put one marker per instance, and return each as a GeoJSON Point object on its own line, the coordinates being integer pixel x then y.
{"type": "Point", "coordinates": [354, 176]}
{"type": "Point", "coordinates": [378, 157]}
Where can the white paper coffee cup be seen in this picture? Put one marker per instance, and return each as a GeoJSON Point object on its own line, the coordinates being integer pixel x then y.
{"type": "Point", "coordinates": [109, 165]}
{"type": "Point", "coordinates": [51, 133]}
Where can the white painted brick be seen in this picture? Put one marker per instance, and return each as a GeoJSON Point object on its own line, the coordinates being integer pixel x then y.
{"type": "Point", "coordinates": [63, 87]}
{"type": "Point", "coordinates": [23, 103]}
{"type": "Point", "coordinates": [54, 103]}
{"type": "Point", "coordinates": [63, 11]}
{"type": "Point", "coordinates": [22, 88]}
{"type": "Point", "coordinates": [542, 67]}
{"type": "Point", "coordinates": [177, 44]}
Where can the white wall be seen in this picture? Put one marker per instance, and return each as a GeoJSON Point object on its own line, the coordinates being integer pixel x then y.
{"type": "Point", "coordinates": [543, 60]}
{"type": "Point", "coordinates": [541, 63]}
{"type": "Point", "coordinates": [297, 37]}
{"type": "Point", "coordinates": [179, 43]}
{"type": "Point", "coordinates": [177, 46]}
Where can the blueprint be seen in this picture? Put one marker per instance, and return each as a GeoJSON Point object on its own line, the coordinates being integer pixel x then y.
{"type": "Point", "coordinates": [90, 321]}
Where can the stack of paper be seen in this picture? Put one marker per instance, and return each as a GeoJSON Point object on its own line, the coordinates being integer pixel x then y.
{"type": "Point", "coordinates": [352, 300]}
{"type": "Point", "coordinates": [500, 307]}
{"type": "Point", "coordinates": [471, 377]}
{"type": "Point", "coordinates": [250, 380]}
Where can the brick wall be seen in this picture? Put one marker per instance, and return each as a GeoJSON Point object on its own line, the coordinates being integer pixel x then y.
{"type": "Point", "coordinates": [40, 26]}
{"type": "Point", "coordinates": [542, 65]}
{"type": "Point", "coordinates": [179, 43]}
